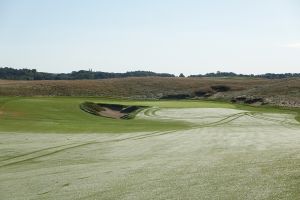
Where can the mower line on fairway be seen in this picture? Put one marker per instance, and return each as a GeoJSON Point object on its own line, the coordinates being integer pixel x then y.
{"type": "Point", "coordinates": [172, 150]}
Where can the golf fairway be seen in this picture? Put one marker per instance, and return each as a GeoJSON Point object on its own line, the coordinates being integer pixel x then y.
{"type": "Point", "coordinates": [222, 153]}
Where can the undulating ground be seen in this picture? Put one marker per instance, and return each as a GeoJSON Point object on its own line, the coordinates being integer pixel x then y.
{"type": "Point", "coordinates": [50, 149]}
{"type": "Point", "coordinates": [283, 92]}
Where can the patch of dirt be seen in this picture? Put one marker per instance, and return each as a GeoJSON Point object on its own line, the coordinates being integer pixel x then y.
{"type": "Point", "coordinates": [202, 93]}
{"type": "Point", "coordinates": [176, 96]}
{"type": "Point", "coordinates": [248, 100]}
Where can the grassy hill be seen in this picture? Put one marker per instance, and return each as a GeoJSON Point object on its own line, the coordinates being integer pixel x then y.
{"type": "Point", "coordinates": [284, 92]}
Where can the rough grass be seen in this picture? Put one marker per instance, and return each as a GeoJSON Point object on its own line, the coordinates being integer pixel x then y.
{"type": "Point", "coordinates": [283, 92]}
{"type": "Point", "coordinates": [123, 87]}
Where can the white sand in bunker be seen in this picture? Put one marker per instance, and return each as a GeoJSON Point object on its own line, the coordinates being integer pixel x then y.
{"type": "Point", "coordinates": [111, 113]}
{"type": "Point", "coordinates": [239, 155]}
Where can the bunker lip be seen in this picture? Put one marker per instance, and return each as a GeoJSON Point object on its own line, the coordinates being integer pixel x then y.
{"type": "Point", "coordinates": [114, 111]}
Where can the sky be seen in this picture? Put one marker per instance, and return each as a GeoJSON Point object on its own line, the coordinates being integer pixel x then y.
{"type": "Point", "coordinates": [173, 36]}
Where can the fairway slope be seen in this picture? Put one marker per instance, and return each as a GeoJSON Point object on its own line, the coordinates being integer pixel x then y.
{"type": "Point", "coordinates": [224, 154]}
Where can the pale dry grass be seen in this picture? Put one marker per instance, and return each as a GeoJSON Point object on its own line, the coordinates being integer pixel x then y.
{"type": "Point", "coordinates": [148, 87]}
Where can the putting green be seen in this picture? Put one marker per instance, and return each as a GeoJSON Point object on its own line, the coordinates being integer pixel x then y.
{"type": "Point", "coordinates": [179, 150]}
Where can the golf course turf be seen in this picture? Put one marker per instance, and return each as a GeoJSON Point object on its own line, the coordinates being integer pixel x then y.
{"type": "Point", "coordinates": [189, 149]}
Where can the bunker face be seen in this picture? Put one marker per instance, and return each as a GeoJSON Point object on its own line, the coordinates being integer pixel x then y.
{"type": "Point", "coordinates": [226, 154]}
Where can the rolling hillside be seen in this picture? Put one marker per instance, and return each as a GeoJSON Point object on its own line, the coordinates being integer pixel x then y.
{"type": "Point", "coordinates": [284, 92]}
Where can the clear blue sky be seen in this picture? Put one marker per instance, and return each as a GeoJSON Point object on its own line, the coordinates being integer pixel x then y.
{"type": "Point", "coordinates": [173, 36]}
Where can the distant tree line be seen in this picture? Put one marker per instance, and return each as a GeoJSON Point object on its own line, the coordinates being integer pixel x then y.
{"type": "Point", "coordinates": [232, 74]}
{"type": "Point", "coordinates": [32, 74]}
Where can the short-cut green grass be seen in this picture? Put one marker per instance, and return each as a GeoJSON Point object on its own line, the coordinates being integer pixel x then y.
{"type": "Point", "coordinates": [172, 150]}
{"type": "Point", "coordinates": [63, 115]}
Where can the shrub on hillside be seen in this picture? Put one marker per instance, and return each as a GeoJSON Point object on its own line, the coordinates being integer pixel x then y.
{"type": "Point", "coordinates": [220, 88]}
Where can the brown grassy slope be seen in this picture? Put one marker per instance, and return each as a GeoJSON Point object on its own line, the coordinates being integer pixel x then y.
{"type": "Point", "coordinates": [149, 87]}
{"type": "Point", "coordinates": [284, 91]}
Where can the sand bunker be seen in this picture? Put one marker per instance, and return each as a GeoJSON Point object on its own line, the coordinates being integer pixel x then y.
{"type": "Point", "coordinates": [115, 111]}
